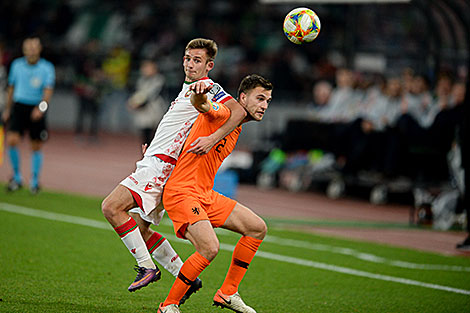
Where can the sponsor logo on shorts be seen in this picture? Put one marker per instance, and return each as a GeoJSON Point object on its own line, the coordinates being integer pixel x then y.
{"type": "Point", "coordinates": [133, 180]}
{"type": "Point", "coordinates": [173, 259]}
{"type": "Point", "coordinates": [133, 251]}
{"type": "Point", "coordinates": [215, 106]}
{"type": "Point", "coordinates": [195, 210]}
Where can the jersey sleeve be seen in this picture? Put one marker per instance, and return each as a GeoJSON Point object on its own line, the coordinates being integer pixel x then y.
{"type": "Point", "coordinates": [50, 76]}
{"type": "Point", "coordinates": [13, 73]}
{"type": "Point", "coordinates": [217, 113]}
{"type": "Point", "coordinates": [221, 96]}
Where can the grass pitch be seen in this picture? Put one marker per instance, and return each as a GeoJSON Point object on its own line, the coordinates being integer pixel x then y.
{"type": "Point", "coordinates": [58, 254]}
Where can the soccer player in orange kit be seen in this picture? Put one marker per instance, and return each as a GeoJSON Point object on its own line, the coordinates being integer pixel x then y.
{"type": "Point", "coordinates": [196, 209]}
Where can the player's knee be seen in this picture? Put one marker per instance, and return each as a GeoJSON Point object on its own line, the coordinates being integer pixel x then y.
{"type": "Point", "coordinates": [108, 207]}
{"type": "Point", "coordinates": [259, 230]}
{"type": "Point", "coordinates": [210, 251]}
{"type": "Point", "coordinates": [13, 139]}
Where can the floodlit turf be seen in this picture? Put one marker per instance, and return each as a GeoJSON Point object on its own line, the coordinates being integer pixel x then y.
{"type": "Point", "coordinates": [52, 263]}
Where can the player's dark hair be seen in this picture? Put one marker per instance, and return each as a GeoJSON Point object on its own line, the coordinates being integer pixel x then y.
{"type": "Point", "coordinates": [201, 43]}
{"type": "Point", "coordinates": [252, 81]}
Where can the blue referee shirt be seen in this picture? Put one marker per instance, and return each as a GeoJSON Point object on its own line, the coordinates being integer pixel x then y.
{"type": "Point", "coordinates": [29, 80]}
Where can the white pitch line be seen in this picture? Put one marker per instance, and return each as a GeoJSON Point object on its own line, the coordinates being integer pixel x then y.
{"type": "Point", "coordinates": [267, 255]}
{"type": "Point", "coordinates": [363, 256]}
{"type": "Point", "coordinates": [350, 252]}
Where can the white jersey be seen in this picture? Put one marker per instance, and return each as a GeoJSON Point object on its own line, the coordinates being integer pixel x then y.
{"type": "Point", "coordinates": [177, 122]}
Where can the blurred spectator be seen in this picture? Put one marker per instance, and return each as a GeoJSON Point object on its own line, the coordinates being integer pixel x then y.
{"type": "Point", "coordinates": [431, 135]}
{"type": "Point", "coordinates": [362, 141]}
{"type": "Point", "coordinates": [407, 79]}
{"type": "Point", "coordinates": [146, 103]}
{"type": "Point", "coordinates": [116, 67]}
{"type": "Point", "coordinates": [88, 88]}
{"type": "Point", "coordinates": [321, 95]}
{"type": "Point", "coordinates": [341, 103]}
{"type": "Point", "coordinates": [418, 101]}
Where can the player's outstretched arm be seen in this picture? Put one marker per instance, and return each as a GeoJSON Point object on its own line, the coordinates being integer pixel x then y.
{"type": "Point", "coordinates": [203, 145]}
{"type": "Point", "coordinates": [199, 98]}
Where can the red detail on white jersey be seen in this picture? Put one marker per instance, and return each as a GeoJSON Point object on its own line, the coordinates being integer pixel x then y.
{"type": "Point", "coordinates": [173, 259]}
{"type": "Point", "coordinates": [133, 251]}
{"type": "Point", "coordinates": [133, 180]}
{"type": "Point", "coordinates": [176, 124]}
{"type": "Point", "coordinates": [148, 187]}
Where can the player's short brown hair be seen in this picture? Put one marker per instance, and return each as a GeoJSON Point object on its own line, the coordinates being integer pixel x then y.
{"type": "Point", "coordinates": [252, 81]}
{"type": "Point", "coordinates": [201, 43]}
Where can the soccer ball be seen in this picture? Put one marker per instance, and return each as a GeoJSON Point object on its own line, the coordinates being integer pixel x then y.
{"type": "Point", "coordinates": [301, 25]}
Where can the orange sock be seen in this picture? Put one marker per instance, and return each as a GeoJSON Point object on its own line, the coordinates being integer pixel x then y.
{"type": "Point", "coordinates": [243, 253]}
{"type": "Point", "coordinates": [191, 269]}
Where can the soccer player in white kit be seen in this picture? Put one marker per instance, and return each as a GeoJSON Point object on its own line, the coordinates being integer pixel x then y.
{"type": "Point", "coordinates": [135, 203]}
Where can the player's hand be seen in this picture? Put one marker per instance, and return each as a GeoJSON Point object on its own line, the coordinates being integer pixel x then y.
{"type": "Point", "coordinates": [200, 87]}
{"type": "Point", "coordinates": [36, 114]}
{"type": "Point", "coordinates": [201, 145]}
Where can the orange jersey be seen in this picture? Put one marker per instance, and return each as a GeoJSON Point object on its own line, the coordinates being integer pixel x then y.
{"type": "Point", "coordinates": [194, 174]}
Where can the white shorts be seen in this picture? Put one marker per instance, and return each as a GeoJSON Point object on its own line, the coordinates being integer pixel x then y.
{"type": "Point", "coordinates": [146, 185]}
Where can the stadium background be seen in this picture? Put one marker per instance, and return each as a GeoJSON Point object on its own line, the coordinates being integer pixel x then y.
{"type": "Point", "coordinates": [370, 38]}
{"type": "Point", "coordinates": [426, 36]}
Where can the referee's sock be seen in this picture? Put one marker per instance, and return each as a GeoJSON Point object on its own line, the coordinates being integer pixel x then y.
{"type": "Point", "coordinates": [15, 163]}
{"type": "Point", "coordinates": [36, 165]}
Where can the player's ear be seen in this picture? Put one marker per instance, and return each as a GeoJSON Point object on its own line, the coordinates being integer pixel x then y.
{"type": "Point", "coordinates": [210, 65]}
{"type": "Point", "coordinates": [242, 99]}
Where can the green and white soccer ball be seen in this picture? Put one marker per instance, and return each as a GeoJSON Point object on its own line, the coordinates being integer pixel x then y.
{"type": "Point", "coordinates": [301, 25]}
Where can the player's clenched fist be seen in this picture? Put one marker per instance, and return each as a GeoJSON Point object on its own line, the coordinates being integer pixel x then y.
{"type": "Point", "coordinates": [200, 87]}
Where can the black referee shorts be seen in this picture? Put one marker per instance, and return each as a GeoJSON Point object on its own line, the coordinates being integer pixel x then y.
{"type": "Point", "coordinates": [20, 121]}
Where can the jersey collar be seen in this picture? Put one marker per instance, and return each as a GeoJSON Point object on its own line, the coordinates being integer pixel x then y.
{"type": "Point", "coordinates": [189, 83]}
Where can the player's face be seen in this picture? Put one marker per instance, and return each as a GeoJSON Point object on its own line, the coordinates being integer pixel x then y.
{"type": "Point", "coordinates": [196, 64]}
{"type": "Point", "coordinates": [256, 102]}
{"type": "Point", "coordinates": [32, 50]}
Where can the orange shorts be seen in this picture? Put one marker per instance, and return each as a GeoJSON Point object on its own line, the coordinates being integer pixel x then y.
{"type": "Point", "coordinates": [186, 209]}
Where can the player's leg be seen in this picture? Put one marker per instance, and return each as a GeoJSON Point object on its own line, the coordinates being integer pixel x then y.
{"type": "Point", "coordinates": [202, 236]}
{"type": "Point", "coordinates": [244, 221]}
{"type": "Point", "coordinates": [115, 207]}
{"type": "Point", "coordinates": [162, 251]}
{"type": "Point", "coordinates": [38, 135]}
{"type": "Point", "coordinates": [36, 165]}
{"type": "Point", "coordinates": [158, 246]}
{"type": "Point", "coordinates": [13, 139]}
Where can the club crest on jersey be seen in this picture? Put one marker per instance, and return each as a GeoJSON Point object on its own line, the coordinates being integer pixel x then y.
{"type": "Point", "coordinates": [215, 106]}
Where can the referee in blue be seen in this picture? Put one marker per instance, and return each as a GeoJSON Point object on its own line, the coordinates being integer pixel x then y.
{"type": "Point", "coordinates": [30, 86]}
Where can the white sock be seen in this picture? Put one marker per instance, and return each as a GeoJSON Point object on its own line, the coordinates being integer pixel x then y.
{"type": "Point", "coordinates": [164, 254]}
{"type": "Point", "coordinates": [130, 235]}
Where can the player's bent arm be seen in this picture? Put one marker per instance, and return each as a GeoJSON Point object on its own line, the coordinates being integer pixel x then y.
{"type": "Point", "coordinates": [200, 102]}
{"type": "Point", "coordinates": [42, 106]}
{"type": "Point", "coordinates": [203, 145]}
{"type": "Point", "coordinates": [47, 94]}
{"type": "Point", "coordinates": [237, 114]}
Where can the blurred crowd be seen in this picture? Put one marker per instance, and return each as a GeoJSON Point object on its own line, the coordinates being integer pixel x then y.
{"type": "Point", "coordinates": [117, 36]}
{"type": "Point", "coordinates": [98, 50]}
{"type": "Point", "coordinates": [396, 126]}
